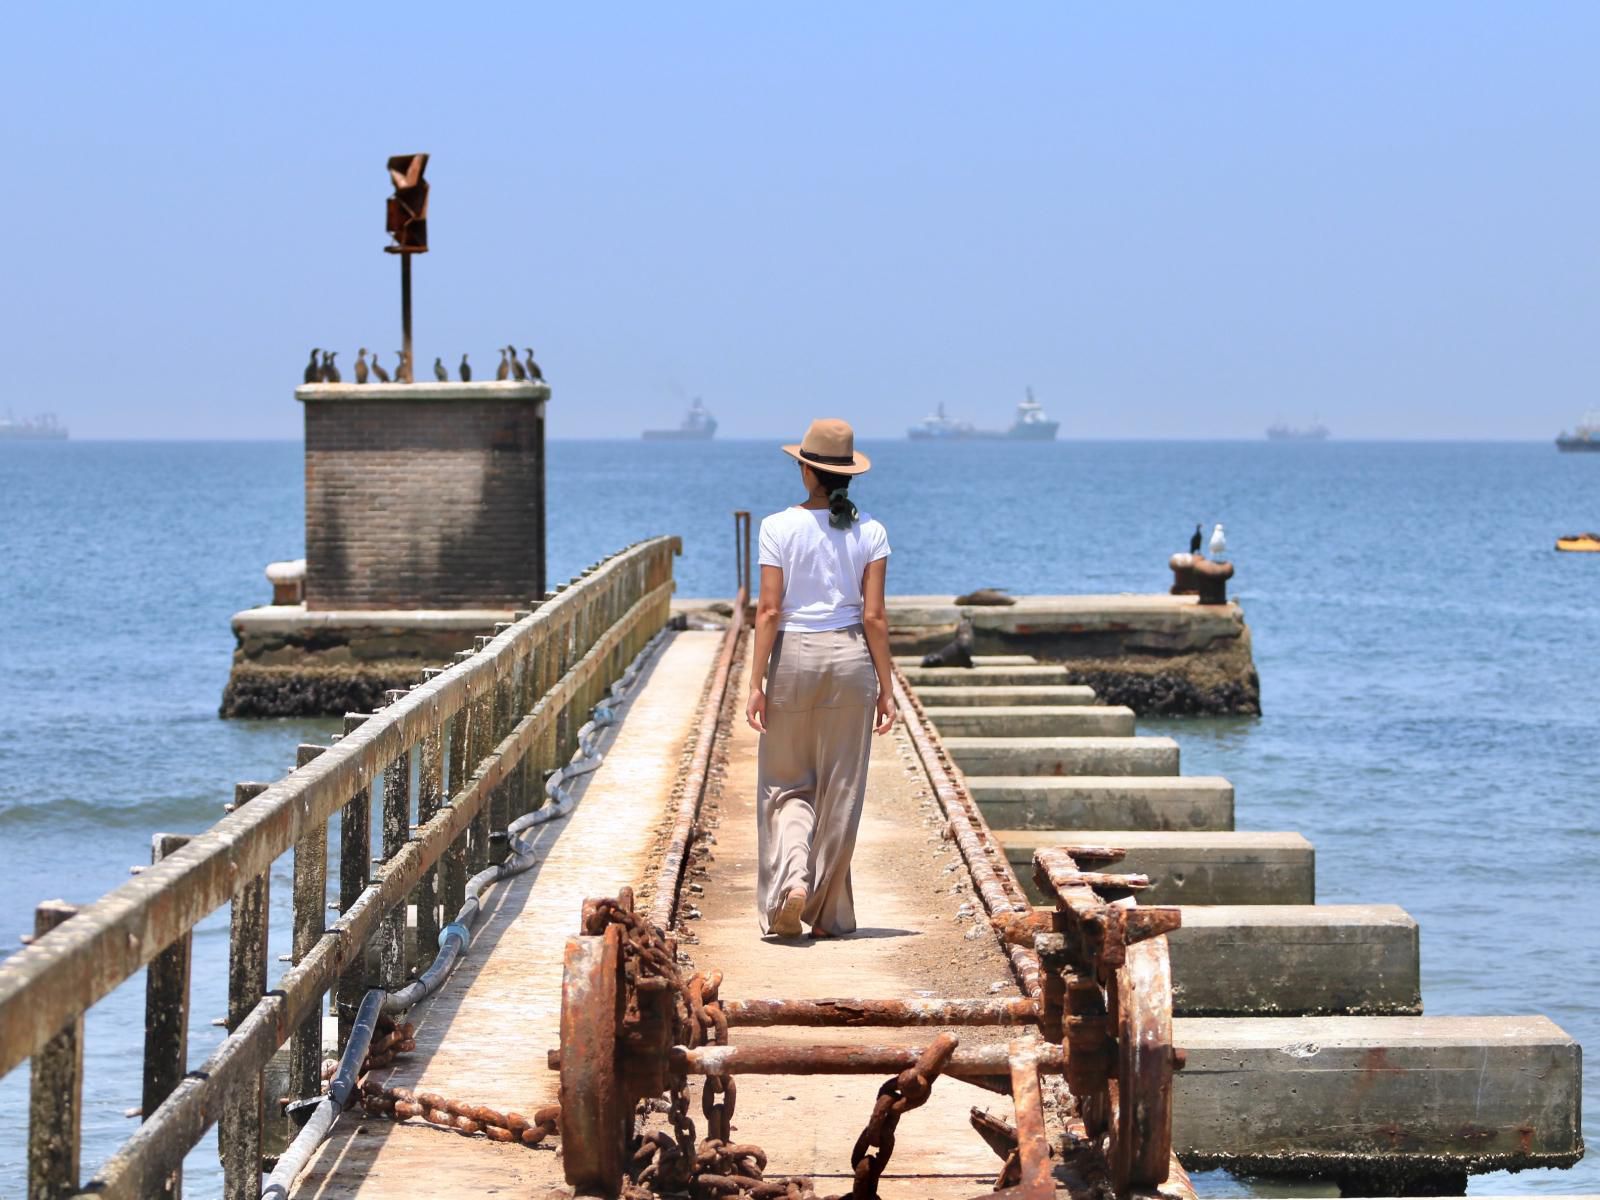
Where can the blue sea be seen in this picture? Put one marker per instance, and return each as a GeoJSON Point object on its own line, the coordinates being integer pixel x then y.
{"type": "Point", "coordinates": [1428, 668]}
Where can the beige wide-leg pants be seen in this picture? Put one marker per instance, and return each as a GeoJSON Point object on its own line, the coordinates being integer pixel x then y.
{"type": "Point", "coordinates": [812, 774]}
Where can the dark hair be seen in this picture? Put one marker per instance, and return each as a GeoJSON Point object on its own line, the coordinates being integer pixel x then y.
{"type": "Point", "coordinates": [841, 512]}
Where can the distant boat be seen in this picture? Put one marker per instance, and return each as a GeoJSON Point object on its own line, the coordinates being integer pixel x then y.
{"type": "Point", "coordinates": [698, 426]}
{"type": "Point", "coordinates": [1580, 543]}
{"type": "Point", "coordinates": [1031, 425]}
{"type": "Point", "coordinates": [1585, 437]}
{"type": "Point", "coordinates": [1315, 432]}
{"type": "Point", "coordinates": [43, 428]}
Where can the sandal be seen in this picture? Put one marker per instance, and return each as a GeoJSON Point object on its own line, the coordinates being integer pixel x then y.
{"type": "Point", "coordinates": [787, 922]}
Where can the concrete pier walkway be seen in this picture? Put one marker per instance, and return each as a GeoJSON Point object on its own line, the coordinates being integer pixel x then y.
{"type": "Point", "coordinates": [483, 1038]}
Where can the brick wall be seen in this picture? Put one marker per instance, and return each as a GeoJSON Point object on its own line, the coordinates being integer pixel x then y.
{"type": "Point", "coordinates": [433, 500]}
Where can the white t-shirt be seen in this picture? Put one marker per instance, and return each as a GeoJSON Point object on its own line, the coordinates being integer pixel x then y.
{"type": "Point", "coordinates": [822, 566]}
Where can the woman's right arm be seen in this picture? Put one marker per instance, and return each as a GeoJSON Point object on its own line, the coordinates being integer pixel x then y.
{"type": "Point", "coordinates": [769, 608]}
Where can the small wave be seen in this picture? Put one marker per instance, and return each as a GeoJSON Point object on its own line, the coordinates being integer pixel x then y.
{"type": "Point", "coordinates": [154, 813]}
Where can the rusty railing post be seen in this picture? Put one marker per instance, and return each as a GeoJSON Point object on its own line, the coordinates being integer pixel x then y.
{"type": "Point", "coordinates": [55, 1093]}
{"type": "Point", "coordinates": [396, 833]}
{"type": "Point", "coordinates": [166, 1016]}
{"type": "Point", "coordinates": [310, 904]}
{"type": "Point", "coordinates": [430, 795]}
{"type": "Point", "coordinates": [239, 1124]}
{"type": "Point", "coordinates": [355, 870]}
{"type": "Point", "coordinates": [453, 863]}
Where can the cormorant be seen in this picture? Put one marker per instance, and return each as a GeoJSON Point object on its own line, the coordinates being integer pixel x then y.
{"type": "Point", "coordinates": [533, 368]}
{"type": "Point", "coordinates": [313, 370]}
{"type": "Point", "coordinates": [1219, 542]}
{"type": "Point", "coordinates": [465, 370]}
{"type": "Point", "coordinates": [439, 372]}
{"type": "Point", "coordinates": [503, 372]}
{"type": "Point", "coordinates": [377, 369]}
{"type": "Point", "coordinates": [361, 365]}
{"type": "Point", "coordinates": [330, 370]}
{"type": "Point", "coordinates": [1194, 542]}
{"type": "Point", "coordinates": [518, 371]}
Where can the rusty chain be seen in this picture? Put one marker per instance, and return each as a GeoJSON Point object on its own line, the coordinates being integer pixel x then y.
{"type": "Point", "coordinates": [908, 1090]}
{"type": "Point", "coordinates": [401, 1103]}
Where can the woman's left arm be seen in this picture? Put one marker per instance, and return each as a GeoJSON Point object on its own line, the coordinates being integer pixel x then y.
{"type": "Point", "coordinates": [875, 621]}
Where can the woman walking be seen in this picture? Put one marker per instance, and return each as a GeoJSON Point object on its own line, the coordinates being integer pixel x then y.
{"type": "Point", "coordinates": [819, 686]}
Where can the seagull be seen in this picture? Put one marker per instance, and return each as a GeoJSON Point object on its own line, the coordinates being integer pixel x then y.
{"type": "Point", "coordinates": [313, 371]}
{"type": "Point", "coordinates": [533, 368]}
{"type": "Point", "coordinates": [504, 371]}
{"type": "Point", "coordinates": [1219, 543]}
{"type": "Point", "coordinates": [439, 372]}
{"type": "Point", "coordinates": [465, 371]}
{"type": "Point", "coordinates": [361, 365]}
{"type": "Point", "coordinates": [1194, 542]}
{"type": "Point", "coordinates": [377, 369]}
{"type": "Point", "coordinates": [518, 371]}
{"type": "Point", "coordinates": [330, 370]}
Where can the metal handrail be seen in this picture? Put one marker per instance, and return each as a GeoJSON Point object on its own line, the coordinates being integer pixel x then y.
{"type": "Point", "coordinates": [536, 669]}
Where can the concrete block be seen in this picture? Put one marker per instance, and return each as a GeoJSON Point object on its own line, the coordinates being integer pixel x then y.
{"type": "Point", "coordinates": [1064, 755]}
{"type": "Point", "coordinates": [1067, 720]}
{"type": "Point", "coordinates": [1190, 868]}
{"type": "Point", "coordinates": [1377, 1099]}
{"type": "Point", "coordinates": [1295, 960]}
{"type": "Point", "coordinates": [1039, 693]}
{"type": "Point", "coordinates": [1149, 802]}
{"type": "Point", "coordinates": [920, 677]}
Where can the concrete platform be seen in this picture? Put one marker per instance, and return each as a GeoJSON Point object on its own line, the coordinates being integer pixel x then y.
{"type": "Point", "coordinates": [1038, 693]}
{"type": "Point", "coordinates": [1380, 1099]}
{"type": "Point", "coordinates": [1064, 755]}
{"type": "Point", "coordinates": [1017, 676]}
{"type": "Point", "coordinates": [1152, 802]}
{"type": "Point", "coordinates": [978, 660]}
{"type": "Point", "coordinates": [1191, 868]}
{"type": "Point", "coordinates": [1296, 960]}
{"type": "Point", "coordinates": [1037, 720]}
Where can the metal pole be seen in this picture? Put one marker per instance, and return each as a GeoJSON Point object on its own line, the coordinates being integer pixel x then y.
{"type": "Point", "coordinates": [405, 312]}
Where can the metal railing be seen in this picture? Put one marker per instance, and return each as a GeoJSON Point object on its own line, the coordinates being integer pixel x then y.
{"type": "Point", "coordinates": [477, 738]}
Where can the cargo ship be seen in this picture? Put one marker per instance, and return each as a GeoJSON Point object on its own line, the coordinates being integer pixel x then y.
{"type": "Point", "coordinates": [1315, 432]}
{"type": "Point", "coordinates": [698, 426]}
{"type": "Point", "coordinates": [1585, 437]}
{"type": "Point", "coordinates": [43, 428]}
{"type": "Point", "coordinates": [1031, 425]}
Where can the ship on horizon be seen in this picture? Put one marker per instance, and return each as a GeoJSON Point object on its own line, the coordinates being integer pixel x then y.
{"type": "Point", "coordinates": [1314, 432]}
{"type": "Point", "coordinates": [42, 428]}
{"type": "Point", "coordinates": [1586, 436]}
{"type": "Point", "coordinates": [698, 426]}
{"type": "Point", "coordinates": [1030, 425]}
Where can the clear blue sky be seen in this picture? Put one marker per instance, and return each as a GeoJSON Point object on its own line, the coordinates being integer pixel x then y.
{"type": "Point", "coordinates": [1171, 220]}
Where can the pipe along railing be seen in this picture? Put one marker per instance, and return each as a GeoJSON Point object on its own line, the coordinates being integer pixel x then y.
{"type": "Point", "coordinates": [479, 738]}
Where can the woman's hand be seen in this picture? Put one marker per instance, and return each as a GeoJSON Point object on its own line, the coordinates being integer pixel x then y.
{"type": "Point", "coordinates": [887, 712]}
{"type": "Point", "coordinates": [755, 711]}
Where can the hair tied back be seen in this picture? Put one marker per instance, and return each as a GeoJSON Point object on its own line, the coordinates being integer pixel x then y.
{"type": "Point", "coordinates": [842, 512]}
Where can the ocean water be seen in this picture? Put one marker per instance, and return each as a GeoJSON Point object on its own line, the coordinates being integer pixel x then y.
{"type": "Point", "coordinates": [1428, 670]}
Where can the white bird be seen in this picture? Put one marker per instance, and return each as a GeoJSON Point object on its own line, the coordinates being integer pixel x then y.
{"type": "Point", "coordinates": [1219, 543]}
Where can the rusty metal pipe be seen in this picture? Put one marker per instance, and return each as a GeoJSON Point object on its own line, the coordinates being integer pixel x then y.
{"type": "Point", "coordinates": [978, 1061]}
{"type": "Point", "coordinates": [1033, 1142]}
{"type": "Point", "coordinates": [833, 1012]}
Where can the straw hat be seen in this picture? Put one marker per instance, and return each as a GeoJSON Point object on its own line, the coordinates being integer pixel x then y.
{"type": "Point", "coordinates": [830, 445]}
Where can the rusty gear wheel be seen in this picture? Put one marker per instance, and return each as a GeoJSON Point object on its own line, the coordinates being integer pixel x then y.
{"type": "Point", "coordinates": [596, 1116]}
{"type": "Point", "coordinates": [1139, 1139]}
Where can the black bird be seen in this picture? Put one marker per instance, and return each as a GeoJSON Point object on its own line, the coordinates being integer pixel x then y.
{"type": "Point", "coordinates": [518, 371]}
{"type": "Point", "coordinates": [377, 369]}
{"type": "Point", "coordinates": [361, 365]}
{"type": "Point", "coordinates": [503, 372]}
{"type": "Point", "coordinates": [313, 371]}
{"type": "Point", "coordinates": [439, 372]}
{"type": "Point", "coordinates": [330, 370]}
{"type": "Point", "coordinates": [1194, 542]}
{"type": "Point", "coordinates": [533, 368]}
{"type": "Point", "coordinates": [465, 370]}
